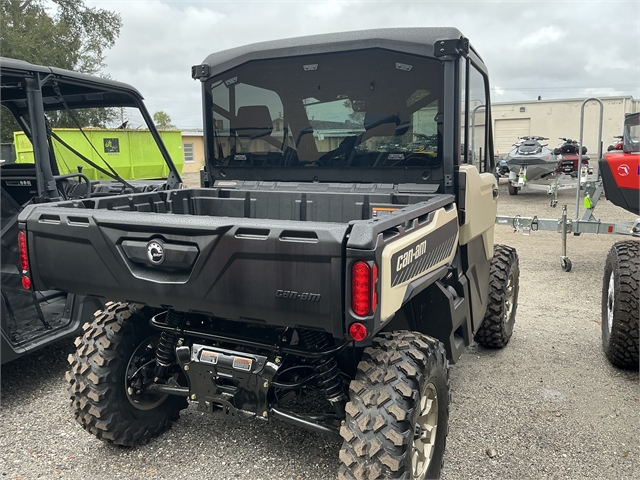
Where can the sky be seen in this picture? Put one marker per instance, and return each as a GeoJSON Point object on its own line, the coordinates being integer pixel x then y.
{"type": "Point", "coordinates": [553, 49]}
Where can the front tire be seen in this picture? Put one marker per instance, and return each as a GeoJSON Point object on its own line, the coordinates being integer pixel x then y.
{"type": "Point", "coordinates": [114, 348]}
{"type": "Point", "coordinates": [620, 304]}
{"type": "Point", "coordinates": [397, 420]}
{"type": "Point", "coordinates": [512, 190]}
{"type": "Point", "coordinates": [504, 284]}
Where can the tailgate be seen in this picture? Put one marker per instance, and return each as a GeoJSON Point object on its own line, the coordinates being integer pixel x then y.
{"type": "Point", "coordinates": [279, 272]}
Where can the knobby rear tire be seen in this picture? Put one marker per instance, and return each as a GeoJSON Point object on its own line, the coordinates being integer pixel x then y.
{"type": "Point", "coordinates": [390, 395]}
{"type": "Point", "coordinates": [96, 382]}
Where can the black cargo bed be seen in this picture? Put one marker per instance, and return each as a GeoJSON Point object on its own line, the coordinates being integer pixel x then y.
{"type": "Point", "coordinates": [221, 256]}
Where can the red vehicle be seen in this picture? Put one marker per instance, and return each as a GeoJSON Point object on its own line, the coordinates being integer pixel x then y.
{"type": "Point", "coordinates": [568, 157]}
{"type": "Point", "coordinates": [619, 171]}
{"type": "Point", "coordinates": [621, 179]}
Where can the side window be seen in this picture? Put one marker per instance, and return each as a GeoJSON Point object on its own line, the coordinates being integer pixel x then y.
{"type": "Point", "coordinates": [248, 119]}
{"type": "Point", "coordinates": [477, 118]}
{"type": "Point", "coordinates": [188, 152]}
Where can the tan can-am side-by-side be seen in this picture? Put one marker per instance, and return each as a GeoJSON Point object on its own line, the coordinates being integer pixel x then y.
{"type": "Point", "coordinates": [328, 253]}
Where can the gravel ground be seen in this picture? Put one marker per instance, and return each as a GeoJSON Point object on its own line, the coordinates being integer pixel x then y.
{"type": "Point", "coordinates": [549, 404]}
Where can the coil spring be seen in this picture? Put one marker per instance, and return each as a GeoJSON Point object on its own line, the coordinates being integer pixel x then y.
{"type": "Point", "coordinates": [328, 375]}
{"type": "Point", "coordinates": [165, 352]}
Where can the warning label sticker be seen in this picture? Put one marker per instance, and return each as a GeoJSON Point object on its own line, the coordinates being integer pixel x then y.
{"type": "Point", "coordinates": [209, 357]}
{"type": "Point", "coordinates": [244, 364]}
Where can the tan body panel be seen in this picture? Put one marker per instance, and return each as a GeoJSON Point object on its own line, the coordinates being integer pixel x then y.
{"type": "Point", "coordinates": [392, 291]}
{"type": "Point", "coordinates": [481, 207]}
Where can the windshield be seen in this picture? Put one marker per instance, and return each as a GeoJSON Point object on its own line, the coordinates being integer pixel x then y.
{"type": "Point", "coordinates": [632, 134]}
{"type": "Point", "coordinates": [371, 108]}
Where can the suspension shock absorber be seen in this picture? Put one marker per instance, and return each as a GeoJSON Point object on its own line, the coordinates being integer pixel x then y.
{"type": "Point", "coordinates": [165, 352]}
{"type": "Point", "coordinates": [328, 375]}
{"type": "Point", "coordinates": [330, 382]}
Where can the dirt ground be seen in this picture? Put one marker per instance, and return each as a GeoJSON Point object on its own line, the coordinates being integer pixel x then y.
{"type": "Point", "coordinates": [549, 404]}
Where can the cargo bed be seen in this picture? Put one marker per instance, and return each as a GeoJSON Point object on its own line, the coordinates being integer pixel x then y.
{"type": "Point", "coordinates": [257, 252]}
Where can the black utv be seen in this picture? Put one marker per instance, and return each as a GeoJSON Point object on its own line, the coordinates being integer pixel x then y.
{"type": "Point", "coordinates": [330, 251]}
{"type": "Point", "coordinates": [33, 99]}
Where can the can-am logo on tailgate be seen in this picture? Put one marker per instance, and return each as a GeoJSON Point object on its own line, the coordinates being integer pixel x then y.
{"type": "Point", "coordinates": [290, 294]}
{"type": "Point", "coordinates": [155, 252]}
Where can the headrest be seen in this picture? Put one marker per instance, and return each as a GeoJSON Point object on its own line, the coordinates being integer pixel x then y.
{"type": "Point", "coordinates": [252, 121]}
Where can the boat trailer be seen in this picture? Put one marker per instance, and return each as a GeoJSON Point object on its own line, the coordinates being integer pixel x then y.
{"type": "Point", "coordinates": [593, 190]}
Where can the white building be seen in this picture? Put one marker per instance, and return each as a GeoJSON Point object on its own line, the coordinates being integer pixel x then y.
{"type": "Point", "coordinates": [559, 118]}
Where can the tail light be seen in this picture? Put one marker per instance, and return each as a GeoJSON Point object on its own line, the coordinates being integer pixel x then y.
{"type": "Point", "coordinates": [361, 288]}
{"type": "Point", "coordinates": [364, 278]}
{"type": "Point", "coordinates": [24, 259]}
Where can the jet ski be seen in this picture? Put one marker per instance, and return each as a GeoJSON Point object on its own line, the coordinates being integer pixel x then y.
{"type": "Point", "coordinates": [529, 160]}
{"type": "Point", "coordinates": [568, 158]}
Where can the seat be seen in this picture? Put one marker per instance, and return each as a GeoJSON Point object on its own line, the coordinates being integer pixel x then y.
{"type": "Point", "coordinates": [251, 122]}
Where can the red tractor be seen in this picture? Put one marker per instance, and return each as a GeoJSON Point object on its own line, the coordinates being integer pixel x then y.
{"type": "Point", "coordinates": [621, 179]}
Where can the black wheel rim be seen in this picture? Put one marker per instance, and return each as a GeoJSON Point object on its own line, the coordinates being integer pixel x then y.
{"type": "Point", "coordinates": [139, 374]}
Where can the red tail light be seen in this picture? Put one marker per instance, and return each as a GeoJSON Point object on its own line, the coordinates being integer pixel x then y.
{"type": "Point", "coordinates": [361, 288]}
{"type": "Point", "coordinates": [22, 250]}
{"type": "Point", "coordinates": [24, 259]}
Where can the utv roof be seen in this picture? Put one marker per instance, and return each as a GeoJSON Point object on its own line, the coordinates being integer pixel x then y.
{"type": "Point", "coordinates": [418, 41]}
{"type": "Point", "coordinates": [91, 91]}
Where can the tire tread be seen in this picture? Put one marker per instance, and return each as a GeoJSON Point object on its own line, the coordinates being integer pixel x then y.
{"type": "Point", "coordinates": [96, 397]}
{"type": "Point", "coordinates": [621, 347]}
{"type": "Point", "coordinates": [376, 434]}
{"type": "Point", "coordinates": [495, 331]}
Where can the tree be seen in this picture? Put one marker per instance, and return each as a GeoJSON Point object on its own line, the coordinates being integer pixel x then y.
{"type": "Point", "coordinates": [162, 120]}
{"type": "Point", "coordinates": [71, 36]}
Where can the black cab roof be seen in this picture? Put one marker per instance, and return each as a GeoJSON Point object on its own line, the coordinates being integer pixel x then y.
{"type": "Point", "coordinates": [416, 40]}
